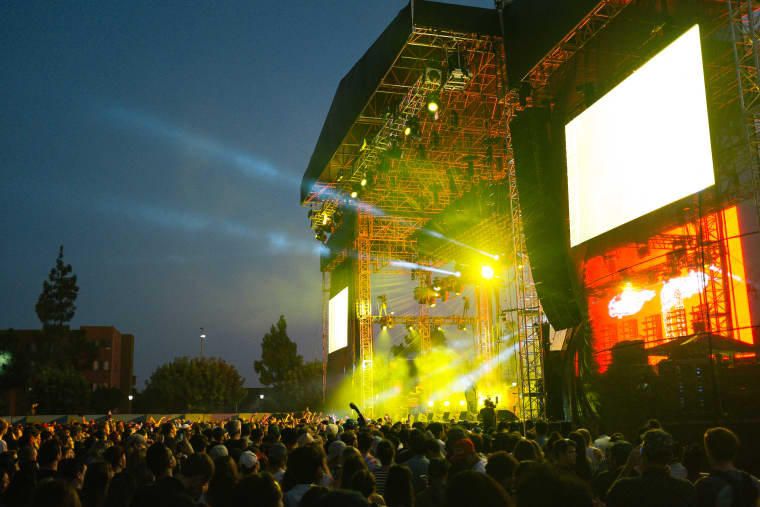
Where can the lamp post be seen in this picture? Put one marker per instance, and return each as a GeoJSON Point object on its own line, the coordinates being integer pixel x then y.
{"type": "Point", "coordinates": [130, 398]}
{"type": "Point", "coordinates": [203, 337]}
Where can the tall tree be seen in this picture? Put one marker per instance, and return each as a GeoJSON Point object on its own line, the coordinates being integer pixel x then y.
{"type": "Point", "coordinates": [59, 390]}
{"type": "Point", "coordinates": [55, 306]}
{"type": "Point", "coordinates": [303, 385]}
{"type": "Point", "coordinates": [203, 384]}
{"type": "Point", "coordinates": [279, 355]}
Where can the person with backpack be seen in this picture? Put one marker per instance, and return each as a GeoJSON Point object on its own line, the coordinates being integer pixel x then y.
{"type": "Point", "coordinates": [726, 486]}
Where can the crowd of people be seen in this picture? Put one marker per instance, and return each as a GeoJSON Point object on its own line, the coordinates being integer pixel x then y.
{"type": "Point", "coordinates": [312, 460]}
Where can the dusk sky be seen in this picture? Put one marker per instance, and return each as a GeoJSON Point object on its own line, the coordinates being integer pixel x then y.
{"type": "Point", "coordinates": [163, 143]}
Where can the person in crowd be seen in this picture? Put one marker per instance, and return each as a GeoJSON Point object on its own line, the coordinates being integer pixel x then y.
{"type": "Point", "coordinates": [195, 475]}
{"type": "Point", "coordinates": [385, 453]}
{"type": "Point", "coordinates": [434, 494]}
{"type": "Point", "coordinates": [306, 466]}
{"type": "Point", "coordinates": [72, 471]}
{"type": "Point", "coordinates": [399, 491]}
{"type": "Point", "coordinates": [121, 490]}
{"type": "Point", "coordinates": [364, 443]}
{"type": "Point", "coordinates": [48, 457]}
{"type": "Point", "coordinates": [116, 457]}
{"type": "Point", "coordinates": [617, 456]}
{"type": "Point", "coordinates": [95, 485]}
{"type": "Point", "coordinates": [524, 451]}
{"type": "Point", "coordinates": [364, 482]}
{"type": "Point", "coordinates": [542, 429]}
{"type": "Point", "coordinates": [654, 486]}
{"type": "Point", "coordinates": [565, 455]}
{"type": "Point", "coordinates": [474, 488]}
{"type": "Point", "coordinates": [55, 493]}
{"type": "Point", "coordinates": [464, 457]}
{"type": "Point", "coordinates": [726, 485]}
{"type": "Point", "coordinates": [223, 481]}
{"type": "Point", "coordinates": [352, 463]}
{"type": "Point", "coordinates": [248, 463]}
{"type": "Point", "coordinates": [417, 462]}
{"type": "Point", "coordinates": [277, 454]}
{"type": "Point", "coordinates": [594, 455]}
{"type": "Point", "coordinates": [502, 466]}
{"type": "Point", "coordinates": [335, 457]}
{"type": "Point", "coordinates": [258, 490]}
{"type": "Point", "coordinates": [694, 460]}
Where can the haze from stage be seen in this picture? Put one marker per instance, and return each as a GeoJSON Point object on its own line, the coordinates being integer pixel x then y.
{"type": "Point", "coordinates": [644, 145]}
{"type": "Point", "coordinates": [338, 330]}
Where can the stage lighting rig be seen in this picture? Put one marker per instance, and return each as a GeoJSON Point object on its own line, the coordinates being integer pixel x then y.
{"type": "Point", "coordinates": [413, 129]}
{"type": "Point", "coordinates": [457, 74]}
{"type": "Point", "coordinates": [356, 190]}
{"type": "Point", "coordinates": [433, 104]}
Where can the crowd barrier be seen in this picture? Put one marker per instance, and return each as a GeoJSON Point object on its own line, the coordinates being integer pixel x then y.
{"type": "Point", "coordinates": [68, 418]}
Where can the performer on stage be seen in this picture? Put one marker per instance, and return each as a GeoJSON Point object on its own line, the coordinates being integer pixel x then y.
{"type": "Point", "coordinates": [415, 400]}
{"type": "Point", "coordinates": [471, 396]}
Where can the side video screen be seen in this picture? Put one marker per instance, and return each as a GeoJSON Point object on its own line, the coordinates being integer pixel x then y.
{"type": "Point", "coordinates": [338, 330]}
{"type": "Point", "coordinates": [644, 145]}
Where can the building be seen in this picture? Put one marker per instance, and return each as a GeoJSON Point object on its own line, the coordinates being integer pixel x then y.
{"type": "Point", "coordinates": [113, 366]}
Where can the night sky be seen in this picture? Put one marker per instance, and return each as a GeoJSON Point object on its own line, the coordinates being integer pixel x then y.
{"type": "Point", "coordinates": [162, 143]}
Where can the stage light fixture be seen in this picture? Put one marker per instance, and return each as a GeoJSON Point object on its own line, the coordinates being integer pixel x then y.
{"type": "Point", "coordinates": [446, 403]}
{"type": "Point", "coordinates": [363, 182]}
{"type": "Point", "coordinates": [430, 403]}
{"type": "Point", "coordinates": [461, 403]}
{"type": "Point", "coordinates": [433, 103]}
{"type": "Point", "coordinates": [354, 194]}
{"type": "Point", "coordinates": [407, 131]}
{"type": "Point", "coordinates": [486, 272]}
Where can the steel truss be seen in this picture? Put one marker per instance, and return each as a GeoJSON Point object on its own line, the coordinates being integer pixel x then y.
{"type": "Point", "coordinates": [325, 329]}
{"type": "Point", "coordinates": [364, 310]}
{"type": "Point", "coordinates": [745, 36]}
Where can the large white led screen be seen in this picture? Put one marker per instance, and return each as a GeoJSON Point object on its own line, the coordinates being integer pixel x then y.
{"type": "Point", "coordinates": [338, 331]}
{"type": "Point", "coordinates": [643, 145]}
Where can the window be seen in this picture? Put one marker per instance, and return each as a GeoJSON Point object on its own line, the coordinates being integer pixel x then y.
{"type": "Point", "coordinates": [105, 365]}
{"type": "Point", "coordinates": [95, 365]}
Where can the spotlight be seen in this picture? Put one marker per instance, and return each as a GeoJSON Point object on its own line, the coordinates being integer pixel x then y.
{"type": "Point", "coordinates": [363, 182]}
{"type": "Point", "coordinates": [461, 403]}
{"type": "Point", "coordinates": [356, 190]}
{"type": "Point", "coordinates": [486, 272]}
{"type": "Point", "coordinates": [412, 128]}
{"type": "Point", "coordinates": [433, 103]}
{"type": "Point", "coordinates": [432, 305]}
{"type": "Point", "coordinates": [354, 194]}
{"type": "Point", "coordinates": [446, 403]}
{"type": "Point", "coordinates": [430, 403]}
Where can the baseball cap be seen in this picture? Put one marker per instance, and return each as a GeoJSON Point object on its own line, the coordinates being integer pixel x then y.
{"type": "Point", "coordinates": [248, 460]}
{"type": "Point", "coordinates": [335, 449]}
{"type": "Point", "coordinates": [277, 452]}
{"type": "Point", "coordinates": [217, 451]}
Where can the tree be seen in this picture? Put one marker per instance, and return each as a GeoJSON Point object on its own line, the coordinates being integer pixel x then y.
{"type": "Point", "coordinates": [60, 390]}
{"type": "Point", "coordinates": [279, 355]}
{"type": "Point", "coordinates": [55, 306]}
{"type": "Point", "coordinates": [303, 385]}
{"type": "Point", "coordinates": [203, 384]}
{"type": "Point", "coordinates": [105, 399]}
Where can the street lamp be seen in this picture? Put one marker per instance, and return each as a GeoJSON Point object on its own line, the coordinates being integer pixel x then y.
{"type": "Point", "coordinates": [130, 398]}
{"type": "Point", "coordinates": [203, 337]}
